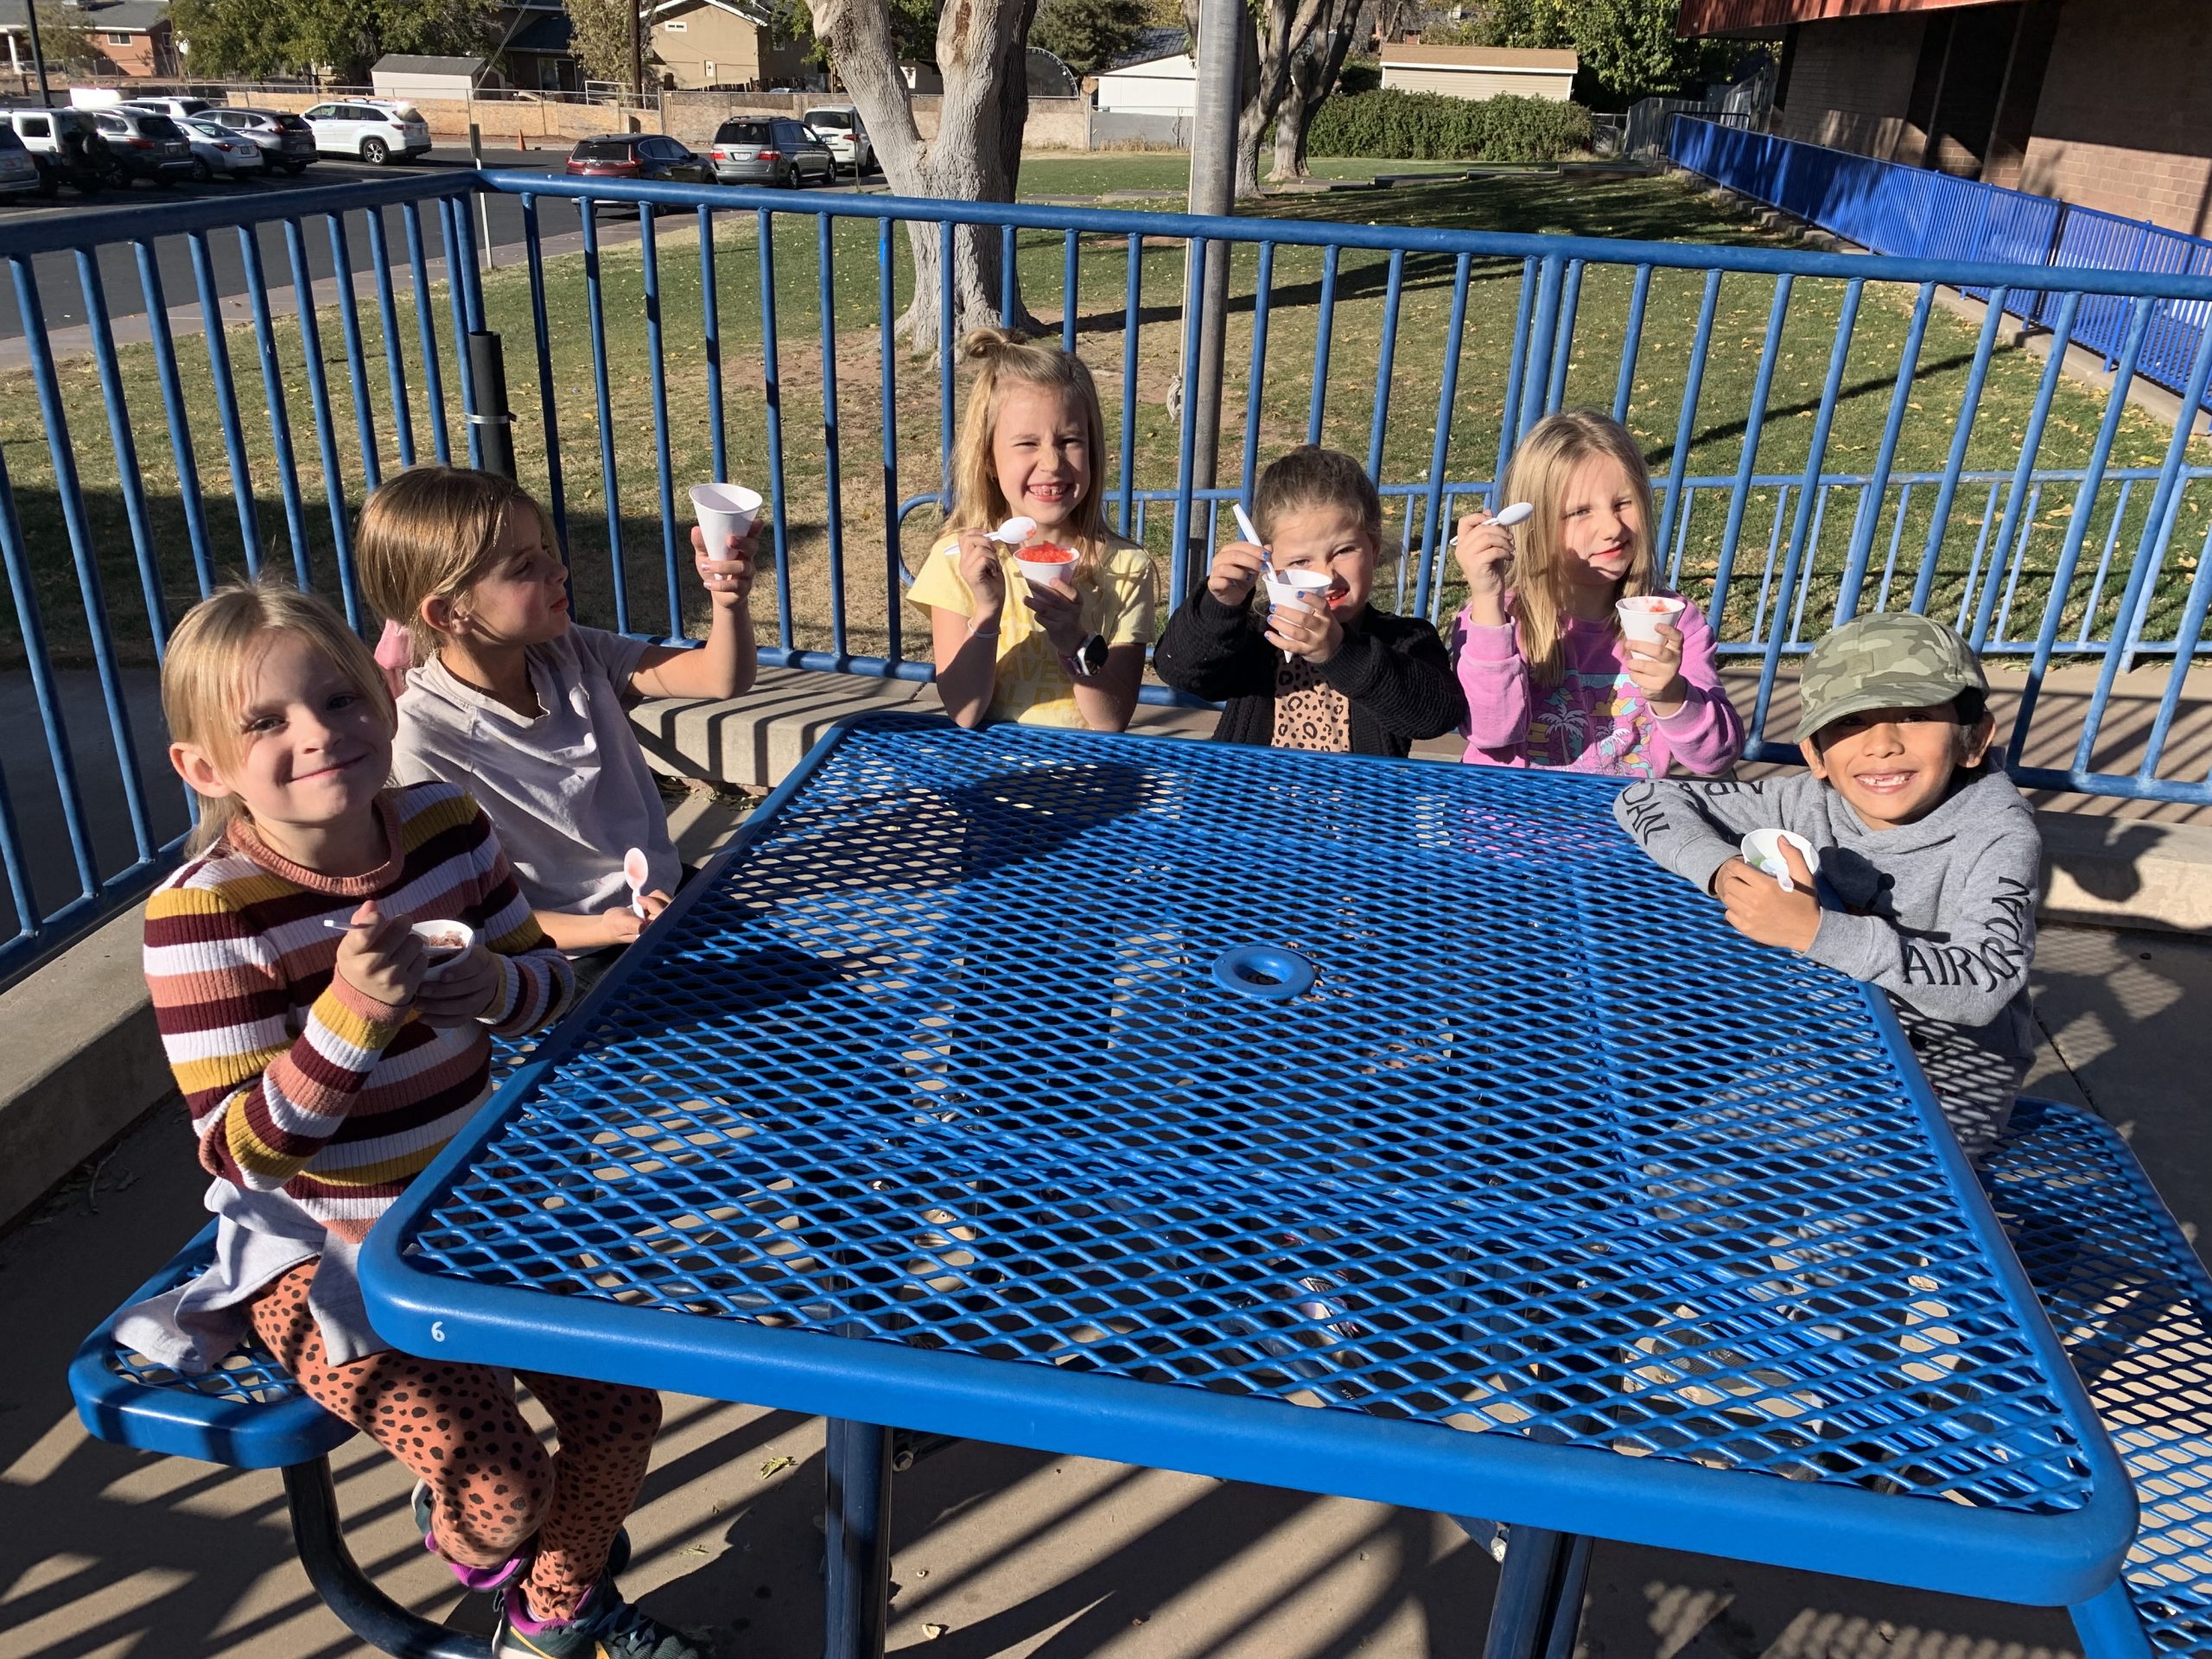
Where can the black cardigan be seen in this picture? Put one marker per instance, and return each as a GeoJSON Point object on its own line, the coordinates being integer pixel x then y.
{"type": "Point", "coordinates": [1394, 670]}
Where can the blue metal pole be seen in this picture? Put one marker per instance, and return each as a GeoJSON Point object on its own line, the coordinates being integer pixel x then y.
{"type": "Point", "coordinates": [395, 362]}
{"type": "Point", "coordinates": [833, 480]}
{"type": "Point", "coordinates": [1433, 533]}
{"type": "Point", "coordinates": [1543, 339]}
{"type": "Point", "coordinates": [1324, 329]}
{"type": "Point", "coordinates": [1068, 274]}
{"type": "Point", "coordinates": [459, 246]}
{"type": "Point", "coordinates": [947, 349]}
{"type": "Point", "coordinates": [1132, 323]}
{"type": "Point", "coordinates": [1256, 379]}
{"type": "Point", "coordinates": [22, 590]}
{"type": "Point", "coordinates": [710, 329]}
{"type": "Point", "coordinates": [1746, 464]}
{"type": "Point", "coordinates": [1631, 342]}
{"type": "Point", "coordinates": [426, 322]}
{"type": "Point", "coordinates": [1961, 435]}
{"type": "Point", "coordinates": [1385, 358]}
{"type": "Point", "coordinates": [2030, 442]}
{"type": "Point", "coordinates": [547, 401]}
{"type": "Point", "coordinates": [326, 436]}
{"type": "Point", "coordinates": [771, 386]}
{"type": "Point", "coordinates": [2077, 527]}
{"type": "Point", "coordinates": [128, 481]}
{"type": "Point", "coordinates": [594, 309]}
{"type": "Point", "coordinates": [53, 413]}
{"type": "Point", "coordinates": [895, 567]}
{"type": "Point", "coordinates": [280, 428]}
{"type": "Point", "coordinates": [1809, 491]}
{"type": "Point", "coordinates": [1685, 422]}
{"type": "Point", "coordinates": [656, 376]}
{"type": "Point", "coordinates": [357, 362]}
{"type": "Point", "coordinates": [1862, 536]}
{"type": "Point", "coordinates": [1563, 345]}
{"type": "Point", "coordinates": [2155, 526]}
{"type": "Point", "coordinates": [1516, 363]}
{"type": "Point", "coordinates": [2185, 640]}
{"type": "Point", "coordinates": [188, 470]}
{"type": "Point", "coordinates": [1178, 571]}
{"type": "Point", "coordinates": [226, 402]}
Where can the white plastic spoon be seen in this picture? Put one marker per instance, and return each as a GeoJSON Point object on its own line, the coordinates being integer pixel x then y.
{"type": "Point", "coordinates": [1514, 514]}
{"type": "Point", "coordinates": [637, 873]}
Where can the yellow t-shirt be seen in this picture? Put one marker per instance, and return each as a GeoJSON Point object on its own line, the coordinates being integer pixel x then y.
{"type": "Point", "coordinates": [1032, 688]}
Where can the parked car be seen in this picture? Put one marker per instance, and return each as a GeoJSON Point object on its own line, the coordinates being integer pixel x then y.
{"type": "Point", "coordinates": [841, 128]}
{"type": "Point", "coordinates": [637, 158]}
{"type": "Point", "coordinates": [146, 146]}
{"type": "Point", "coordinates": [217, 152]}
{"type": "Point", "coordinates": [67, 146]}
{"type": "Point", "coordinates": [177, 108]}
{"type": "Point", "coordinates": [770, 150]}
{"type": "Point", "coordinates": [285, 140]}
{"type": "Point", "coordinates": [374, 129]}
{"type": "Point", "coordinates": [19, 174]}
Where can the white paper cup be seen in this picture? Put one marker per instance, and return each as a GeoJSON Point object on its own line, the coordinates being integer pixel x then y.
{"type": "Point", "coordinates": [1295, 588]}
{"type": "Point", "coordinates": [1641, 616]}
{"type": "Point", "coordinates": [723, 511]}
{"type": "Point", "coordinates": [446, 942]}
{"type": "Point", "coordinates": [1045, 572]}
{"type": "Point", "coordinates": [1762, 850]}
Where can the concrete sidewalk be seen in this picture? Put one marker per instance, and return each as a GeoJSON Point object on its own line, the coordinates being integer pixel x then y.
{"type": "Point", "coordinates": [999, 1552]}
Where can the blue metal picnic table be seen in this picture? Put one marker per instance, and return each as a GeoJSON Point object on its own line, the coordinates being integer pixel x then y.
{"type": "Point", "coordinates": [1388, 1129]}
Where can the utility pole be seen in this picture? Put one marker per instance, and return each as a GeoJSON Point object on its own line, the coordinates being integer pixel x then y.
{"type": "Point", "coordinates": [1213, 194]}
{"type": "Point", "coordinates": [38, 55]}
{"type": "Point", "coordinates": [638, 50]}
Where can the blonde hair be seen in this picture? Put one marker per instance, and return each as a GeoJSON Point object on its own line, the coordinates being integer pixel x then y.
{"type": "Point", "coordinates": [433, 532]}
{"type": "Point", "coordinates": [1542, 466]}
{"type": "Point", "coordinates": [1011, 358]}
{"type": "Point", "coordinates": [1310, 476]}
{"type": "Point", "coordinates": [209, 663]}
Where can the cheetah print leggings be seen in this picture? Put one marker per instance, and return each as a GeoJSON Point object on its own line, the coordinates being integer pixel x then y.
{"type": "Point", "coordinates": [493, 1485]}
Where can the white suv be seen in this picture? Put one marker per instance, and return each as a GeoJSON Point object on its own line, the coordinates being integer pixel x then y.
{"type": "Point", "coordinates": [840, 129]}
{"type": "Point", "coordinates": [374, 129]}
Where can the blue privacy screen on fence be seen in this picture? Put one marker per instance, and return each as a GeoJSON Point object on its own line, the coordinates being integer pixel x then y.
{"type": "Point", "coordinates": [1524, 1213]}
{"type": "Point", "coordinates": [1824, 438]}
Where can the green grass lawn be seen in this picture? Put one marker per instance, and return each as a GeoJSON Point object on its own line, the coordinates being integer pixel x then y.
{"type": "Point", "coordinates": [1595, 205]}
{"type": "Point", "coordinates": [1098, 174]}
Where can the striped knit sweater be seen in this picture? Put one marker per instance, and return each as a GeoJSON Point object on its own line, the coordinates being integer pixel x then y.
{"type": "Point", "coordinates": [298, 1082]}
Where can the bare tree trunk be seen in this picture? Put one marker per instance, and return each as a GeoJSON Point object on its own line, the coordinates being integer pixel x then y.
{"type": "Point", "coordinates": [1313, 78]}
{"type": "Point", "coordinates": [976, 156]}
{"type": "Point", "coordinates": [1284, 28]}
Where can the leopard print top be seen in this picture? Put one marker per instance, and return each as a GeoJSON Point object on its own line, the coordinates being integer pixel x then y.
{"type": "Point", "coordinates": [1310, 714]}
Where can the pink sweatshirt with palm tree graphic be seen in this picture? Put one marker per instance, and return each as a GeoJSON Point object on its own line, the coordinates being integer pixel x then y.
{"type": "Point", "coordinates": [1595, 719]}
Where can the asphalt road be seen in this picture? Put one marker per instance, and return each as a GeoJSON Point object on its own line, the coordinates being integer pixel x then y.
{"type": "Point", "coordinates": [61, 293]}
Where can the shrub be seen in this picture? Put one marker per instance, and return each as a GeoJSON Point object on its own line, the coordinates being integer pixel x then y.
{"type": "Point", "coordinates": [1394, 125]}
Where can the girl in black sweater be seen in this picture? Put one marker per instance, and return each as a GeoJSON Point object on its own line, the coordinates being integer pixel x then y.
{"type": "Point", "coordinates": [1346, 677]}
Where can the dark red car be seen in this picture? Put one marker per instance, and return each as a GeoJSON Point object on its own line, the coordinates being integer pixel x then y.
{"type": "Point", "coordinates": [639, 157]}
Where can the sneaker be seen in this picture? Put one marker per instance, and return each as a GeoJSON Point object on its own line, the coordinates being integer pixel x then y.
{"type": "Point", "coordinates": [493, 1579]}
{"type": "Point", "coordinates": [605, 1627]}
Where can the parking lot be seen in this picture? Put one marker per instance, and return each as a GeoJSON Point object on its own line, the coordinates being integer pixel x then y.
{"type": "Point", "coordinates": [63, 296]}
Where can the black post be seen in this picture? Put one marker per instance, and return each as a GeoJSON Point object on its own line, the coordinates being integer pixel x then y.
{"type": "Point", "coordinates": [487, 366]}
{"type": "Point", "coordinates": [38, 55]}
{"type": "Point", "coordinates": [857, 1528]}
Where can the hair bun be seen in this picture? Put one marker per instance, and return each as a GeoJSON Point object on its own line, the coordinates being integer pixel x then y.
{"type": "Point", "coordinates": [983, 344]}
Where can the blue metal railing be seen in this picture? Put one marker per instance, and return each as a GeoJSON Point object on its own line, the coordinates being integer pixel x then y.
{"type": "Point", "coordinates": [672, 354]}
{"type": "Point", "coordinates": [1921, 213]}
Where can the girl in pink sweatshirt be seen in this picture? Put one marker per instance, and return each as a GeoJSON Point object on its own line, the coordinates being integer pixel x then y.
{"type": "Point", "coordinates": [1550, 680]}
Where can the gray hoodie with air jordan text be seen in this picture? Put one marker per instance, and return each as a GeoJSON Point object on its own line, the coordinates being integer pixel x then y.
{"type": "Point", "coordinates": [1941, 913]}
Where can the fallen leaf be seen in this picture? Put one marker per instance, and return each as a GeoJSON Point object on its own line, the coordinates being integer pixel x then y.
{"type": "Point", "coordinates": [776, 1467]}
{"type": "Point", "coordinates": [933, 1631]}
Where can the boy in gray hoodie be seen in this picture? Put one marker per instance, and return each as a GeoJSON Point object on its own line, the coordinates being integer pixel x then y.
{"type": "Point", "coordinates": [1926, 858]}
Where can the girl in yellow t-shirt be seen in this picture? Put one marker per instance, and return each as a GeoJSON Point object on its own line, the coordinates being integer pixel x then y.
{"type": "Point", "coordinates": [1068, 652]}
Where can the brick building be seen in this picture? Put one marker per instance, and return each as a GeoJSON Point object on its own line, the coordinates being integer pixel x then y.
{"type": "Point", "coordinates": [2104, 102]}
{"type": "Point", "coordinates": [126, 38]}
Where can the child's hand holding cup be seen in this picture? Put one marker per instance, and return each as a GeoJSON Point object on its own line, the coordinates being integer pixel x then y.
{"type": "Point", "coordinates": [722, 544]}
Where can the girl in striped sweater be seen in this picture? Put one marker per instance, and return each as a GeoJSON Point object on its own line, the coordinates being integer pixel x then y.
{"type": "Point", "coordinates": [325, 1062]}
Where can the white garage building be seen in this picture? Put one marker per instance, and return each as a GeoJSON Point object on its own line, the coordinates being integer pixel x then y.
{"type": "Point", "coordinates": [1479, 71]}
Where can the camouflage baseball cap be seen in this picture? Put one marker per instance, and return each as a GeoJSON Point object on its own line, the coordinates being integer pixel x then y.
{"type": "Point", "coordinates": [1894, 660]}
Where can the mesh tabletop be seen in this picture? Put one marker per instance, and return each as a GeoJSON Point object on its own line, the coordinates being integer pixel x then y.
{"type": "Point", "coordinates": [979, 1087]}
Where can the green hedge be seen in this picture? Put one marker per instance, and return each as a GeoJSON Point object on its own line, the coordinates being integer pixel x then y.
{"type": "Point", "coordinates": [1430, 127]}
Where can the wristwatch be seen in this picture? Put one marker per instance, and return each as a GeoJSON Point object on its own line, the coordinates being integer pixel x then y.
{"type": "Point", "coordinates": [1088, 659]}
